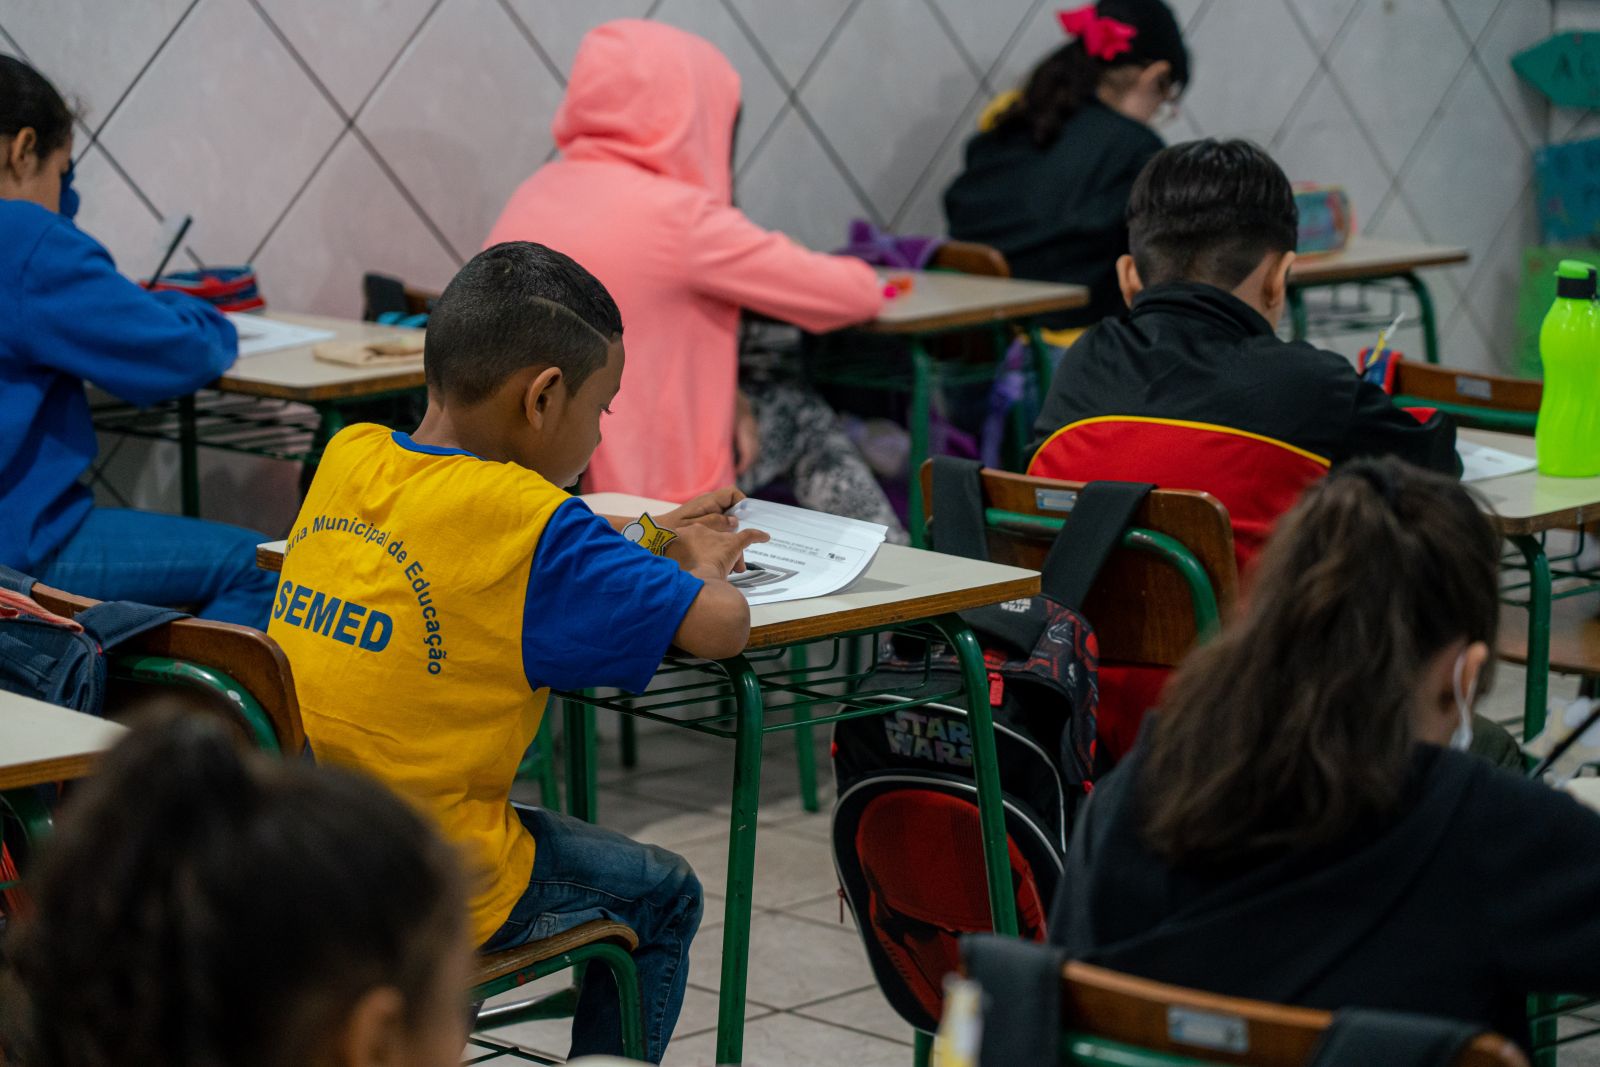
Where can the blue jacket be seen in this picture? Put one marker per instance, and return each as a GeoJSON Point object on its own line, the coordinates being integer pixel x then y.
{"type": "Point", "coordinates": [66, 317]}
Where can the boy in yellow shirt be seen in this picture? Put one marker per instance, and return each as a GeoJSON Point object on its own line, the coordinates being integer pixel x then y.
{"type": "Point", "coordinates": [438, 584]}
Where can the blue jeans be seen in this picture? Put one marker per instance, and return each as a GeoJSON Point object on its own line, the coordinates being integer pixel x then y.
{"type": "Point", "coordinates": [165, 560]}
{"type": "Point", "coordinates": [583, 872]}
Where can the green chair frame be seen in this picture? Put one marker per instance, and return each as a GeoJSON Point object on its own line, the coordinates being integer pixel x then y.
{"type": "Point", "coordinates": [562, 1004]}
{"type": "Point", "coordinates": [36, 823]}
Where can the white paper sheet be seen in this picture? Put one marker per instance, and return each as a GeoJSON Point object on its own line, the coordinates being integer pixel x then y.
{"type": "Point", "coordinates": [810, 554]}
{"type": "Point", "coordinates": [1480, 461]}
{"type": "Point", "coordinates": [258, 334]}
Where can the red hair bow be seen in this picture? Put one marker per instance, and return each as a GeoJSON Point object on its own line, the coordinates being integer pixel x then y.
{"type": "Point", "coordinates": [1103, 37]}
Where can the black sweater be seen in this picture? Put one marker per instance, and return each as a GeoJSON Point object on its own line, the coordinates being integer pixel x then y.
{"type": "Point", "coordinates": [1484, 888]}
{"type": "Point", "coordinates": [1191, 351]}
{"type": "Point", "coordinates": [1059, 214]}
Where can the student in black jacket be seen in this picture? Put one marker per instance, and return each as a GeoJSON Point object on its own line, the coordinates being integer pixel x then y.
{"type": "Point", "coordinates": [1297, 823]}
{"type": "Point", "coordinates": [1047, 180]}
{"type": "Point", "coordinates": [1212, 230]}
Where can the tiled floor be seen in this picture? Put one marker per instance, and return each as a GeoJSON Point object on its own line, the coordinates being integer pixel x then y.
{"type": "Point", "coordinates": [811, 995]}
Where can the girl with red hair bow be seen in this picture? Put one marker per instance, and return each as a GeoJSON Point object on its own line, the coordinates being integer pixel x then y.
{"type": "Point", "coordinates": [1047, 177]}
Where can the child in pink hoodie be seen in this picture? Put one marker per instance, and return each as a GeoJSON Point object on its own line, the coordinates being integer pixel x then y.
{"type": "Point", "coordinates": [642, 197]}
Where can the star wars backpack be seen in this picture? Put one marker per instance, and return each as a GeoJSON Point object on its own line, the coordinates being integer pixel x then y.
{"type": "Point", "coordinates": [906, 837]}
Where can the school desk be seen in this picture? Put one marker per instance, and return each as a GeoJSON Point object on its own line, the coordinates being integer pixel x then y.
{"type": "Point", "coordinates": [941, 302]}
{"type": "Point", "coordinates": [1585, 791]}
{"type": "Point", "coordinates": [904, 591]}
{"type": "Point", "coordinates": [42, 743]}
{"type": "Point", "coordinates": [1372, 259]}
{"type": "Point", "coordinates": [1526, 507]}
{"type": "Point", "coordinates": [260, 412]}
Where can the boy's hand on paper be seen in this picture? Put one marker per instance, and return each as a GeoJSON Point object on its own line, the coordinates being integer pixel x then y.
{"type": "Point", "coordinates": [746, 436]}
{"type": "Point", "coordinates": [711, 554]}
{"type": "Point", "coordinates": [704, 510]}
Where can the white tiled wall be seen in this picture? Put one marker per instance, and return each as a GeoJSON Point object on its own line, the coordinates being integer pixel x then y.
{"type": "Point", "coordinates": [320, 139]}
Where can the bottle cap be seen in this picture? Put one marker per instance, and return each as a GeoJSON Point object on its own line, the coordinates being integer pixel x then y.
{"type": "Point", "coordinates": [1575, 280]}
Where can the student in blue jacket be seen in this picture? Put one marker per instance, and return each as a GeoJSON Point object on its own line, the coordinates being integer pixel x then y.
{"type": "Point", "coordinates": [67, 317]}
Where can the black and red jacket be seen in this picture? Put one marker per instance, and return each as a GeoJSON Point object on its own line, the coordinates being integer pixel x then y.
{"type": "Point", "coordinates": [1193, 352]}
{"type": "Point", "coordinates": [1190, 389]}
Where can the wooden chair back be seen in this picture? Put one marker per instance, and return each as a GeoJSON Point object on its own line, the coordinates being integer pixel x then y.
{"type": "Point", "coordinates": [983, 346]}
{"type": "Point", "coordinates": [1098, 1004]}
{"type": "Point", "coordinates": [383, 293]}
{"type": "Point", "coordinates": [969, 257]}
{"type": "Point", "coordinates": [1141, 608]}
{"type": "Point", "coordinates": [1574, 636]}
{"type": "Point", "coordinates": [249, 656]}
{"type": "Point", "coordinates": [418, 301]}
{"type": "Point", "coordinates": [1465, 388]}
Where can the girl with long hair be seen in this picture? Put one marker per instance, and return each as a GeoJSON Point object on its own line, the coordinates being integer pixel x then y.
{"type": "Point", "coordinates": [1299, 822]}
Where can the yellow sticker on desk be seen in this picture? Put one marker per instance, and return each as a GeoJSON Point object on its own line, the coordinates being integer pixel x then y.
{"type": "Point", "coordinates": [644, 532]}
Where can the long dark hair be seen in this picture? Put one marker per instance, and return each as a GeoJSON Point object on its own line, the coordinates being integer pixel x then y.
{"type": "Point", "coordinates": [200, 907]}
{"type": "Point", "coordinates": [28, 100]}
{"type": "Point", "coordinates": [1069, 78]}
{"type": "Point", "coordinates": [1293, 727]}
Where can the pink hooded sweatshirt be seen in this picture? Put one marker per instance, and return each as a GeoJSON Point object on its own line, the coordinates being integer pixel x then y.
{"type": "Point", "coordinates": [642, 199]}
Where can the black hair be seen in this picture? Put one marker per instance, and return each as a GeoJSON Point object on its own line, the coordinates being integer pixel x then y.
{"type": "Point", "coordinates": [201, 906]}
{"type": "Point", "coordinates": [1208, 211]}
{"type": "Point", "coordinates": [1292, 728]}
{"type": "Point", "coordinates": [517, 305]}
{"type": "Point", "coordinates": [1068, 78]}
{"type": "Point", "coordinates": [28, 100]}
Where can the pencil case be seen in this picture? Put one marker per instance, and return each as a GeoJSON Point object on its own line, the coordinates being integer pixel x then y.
{"type": "Point", "coordinates": [1326, 217]}
{"type": "Point", "coordinates": [225, 288]}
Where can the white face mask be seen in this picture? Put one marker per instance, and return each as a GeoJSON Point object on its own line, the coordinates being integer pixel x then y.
{"type": "Point", "coordinates": [1461, 739]}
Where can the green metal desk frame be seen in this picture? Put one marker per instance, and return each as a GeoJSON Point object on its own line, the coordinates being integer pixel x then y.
{"type": "Point", "coordinates": [1300, 320]}
{"type": "Point", "coordinates": [1538, 593]}
{"type": "Point", "coordinates": [927, 374]}
{"type": "Point", "coordinates": [291, 430]}
{"type": "Point", "coordinates": [748, 680]}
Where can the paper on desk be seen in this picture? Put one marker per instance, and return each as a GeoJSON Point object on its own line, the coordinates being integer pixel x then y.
{"type": "Point", "coordinates": [811, 553]}
{"type": "Point", "coordinates": [1480, 461]}
{"type": "Point", "coordinates": [258, 334]}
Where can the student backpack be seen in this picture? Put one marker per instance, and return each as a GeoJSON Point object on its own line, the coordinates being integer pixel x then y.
{"type": "Point", "coordinates": [63, 661]}
{"type": "Point", "coordinates": [905, 827]}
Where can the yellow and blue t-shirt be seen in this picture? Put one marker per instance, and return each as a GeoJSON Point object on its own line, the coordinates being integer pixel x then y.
{"type": "Point", "coordinates": [429, 601]}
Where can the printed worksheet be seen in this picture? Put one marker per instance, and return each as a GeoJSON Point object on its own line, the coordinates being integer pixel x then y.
{"type": "Point", "coordinates": [259, 334]}
{"type": "Point", "coordinates": [810, 554]}
{"type": "Point", "coordinates": [1480, 461]}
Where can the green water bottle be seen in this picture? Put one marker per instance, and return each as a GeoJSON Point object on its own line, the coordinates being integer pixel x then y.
{"type": "Point", "coordinates": [1567, 440]}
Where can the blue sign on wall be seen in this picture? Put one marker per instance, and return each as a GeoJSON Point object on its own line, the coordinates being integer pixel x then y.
{"type": "Point", "coordinates": [1568, 181]}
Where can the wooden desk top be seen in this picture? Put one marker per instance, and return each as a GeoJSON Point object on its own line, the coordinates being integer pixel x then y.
{"type": "Point", "coordinates": [1531, 502]}
{"type": "Point", "coordinates": [1585, 791]}
{"type": "Point", "coordinates": [295, 374]}
{"type": "Point", "coordinates": [42, 743]}
{"type": "Point", "coordinates": [1372, 257]}
{"type": "Point", "coordinates": [940, 300]}
{"type": "Point", "coordinates": [900, 585]}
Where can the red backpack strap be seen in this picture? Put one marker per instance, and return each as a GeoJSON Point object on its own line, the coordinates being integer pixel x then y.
{"type": "Point", "coordinates": [14, 604]}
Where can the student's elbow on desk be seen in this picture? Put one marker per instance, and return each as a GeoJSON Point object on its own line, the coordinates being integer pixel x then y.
{"type": "Point", "coordinates": [717, 624]}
